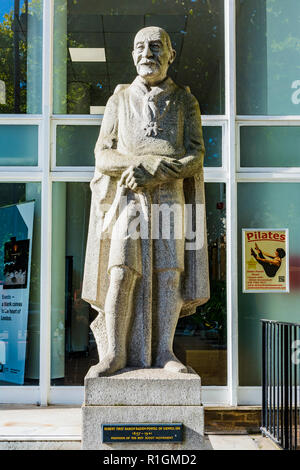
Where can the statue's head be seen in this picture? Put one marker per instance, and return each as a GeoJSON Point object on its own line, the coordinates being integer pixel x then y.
{"type": "Point", "coordinates": [152, 54]}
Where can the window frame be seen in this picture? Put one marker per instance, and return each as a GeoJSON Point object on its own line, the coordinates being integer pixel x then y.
{"type": "Point", "coordinates": [230, 173]}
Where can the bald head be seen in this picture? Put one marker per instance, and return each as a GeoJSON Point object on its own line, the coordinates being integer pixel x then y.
{"type": "Point", "coordinates": [154, 31]}
{"type": "Point", "coordinates": [153, 54]}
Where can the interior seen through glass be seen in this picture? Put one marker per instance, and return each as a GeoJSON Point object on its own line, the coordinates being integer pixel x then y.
{"type": "Point", "coordinates": [93, 42]}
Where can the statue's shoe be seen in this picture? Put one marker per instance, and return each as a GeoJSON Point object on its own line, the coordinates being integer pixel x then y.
{"type": "Point", "coordinates": [168, 361]}
{"type": "Point", "coordinates": [108, 366]}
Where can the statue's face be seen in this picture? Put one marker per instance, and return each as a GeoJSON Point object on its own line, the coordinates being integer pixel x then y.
{"type": "Point", "coordinates": [152, 55]}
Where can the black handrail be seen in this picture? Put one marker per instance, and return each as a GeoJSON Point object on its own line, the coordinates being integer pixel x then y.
{"type": "Point", "coordinates": [280, 363]}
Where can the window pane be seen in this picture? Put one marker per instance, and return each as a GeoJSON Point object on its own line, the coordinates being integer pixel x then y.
{"type": "Point", "coordinates": [73, 349]}
{"type": "Point", "coordinates": [20, 237]}
{"type": "Point", "coordinates": [268, 56]}
{"type": "Point", "coordinates": [21, 31]}
{"type": "Point", "coordinates": [213, 146]}
{"type": "Point", "coordinates": [75, 145]}
{"type": "Point", "coordinates": [268, 146]}
{"type": "Point", "coordinates": [200, 339]}
{"type": "Point", "coordinates": [266, 205]}
{"type": "Point", "coordinates": [19, 145]}
{"type": "Point", "coordinates": [93, 43]}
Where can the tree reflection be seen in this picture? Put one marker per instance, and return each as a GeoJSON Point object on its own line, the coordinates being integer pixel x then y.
{"type": "Point", "coordinates": [18, 56]}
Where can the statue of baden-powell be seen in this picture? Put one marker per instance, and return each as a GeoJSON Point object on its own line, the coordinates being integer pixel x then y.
{"type": "Point", "coordinates": [149, 155]}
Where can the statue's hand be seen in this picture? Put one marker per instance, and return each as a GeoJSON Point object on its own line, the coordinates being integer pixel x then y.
{"type": "Point", "coordinates": [161, 168]}
{"type": "Point", "coordinates": [135, 177]}
{"type": "Point", "coordinates": [168, 169]}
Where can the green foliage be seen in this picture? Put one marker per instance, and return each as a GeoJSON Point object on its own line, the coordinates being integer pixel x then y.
{"type": "Point", "coordinates": [215, 309]}
{"type": "Point", "coordinates": [35, 8]}
{"type": "Point", "coordinates": [7, 64]}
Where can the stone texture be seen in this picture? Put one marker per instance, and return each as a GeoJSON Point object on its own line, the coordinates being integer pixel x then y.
{"type": "Point", "coordinates": [232, 443]}
{"type": "Point", "coordinates": [144, 387]}
{"type": "Point", "coordinates": [143, 396]}
{"type": "Point", "coordinates": [190, 416]}
{"type": "Point", "coordinates": [150, 151]}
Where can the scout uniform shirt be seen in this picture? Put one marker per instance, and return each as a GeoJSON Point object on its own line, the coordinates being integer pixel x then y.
{"type": "Point", "coordinates": [139, 121]}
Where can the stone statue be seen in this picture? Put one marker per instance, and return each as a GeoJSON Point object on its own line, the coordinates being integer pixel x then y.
{"type": "Point", "coordinates": [149, 154]}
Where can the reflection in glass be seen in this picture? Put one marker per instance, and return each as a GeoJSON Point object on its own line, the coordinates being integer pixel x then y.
{"type": "Point", "coordinates": [73, 348]}
{"type": "Point", "coordinates": [266, 205]}
{"type": "Point", "coordinates": [14, 231]}
{"type": "Point", "coordinates": [75, 145]}
{"type": "Point", "coordinates": [213, 146]}
{"type": "Point", "coordinates": [19, 145]}
{"type": "Point", "coordinates": [83, 85]}
{"type": "Point", "coordinates": [200, 339]}
{"type": "Point", "coordinates": [270, 146]}
{"type": "Point", "coordinates": [268, 55]}
{"type": "Point", "coordinates": [21, 26]}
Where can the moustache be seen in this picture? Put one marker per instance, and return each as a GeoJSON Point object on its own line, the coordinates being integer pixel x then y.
{"type": "Point", "coordinates": [148, 62]}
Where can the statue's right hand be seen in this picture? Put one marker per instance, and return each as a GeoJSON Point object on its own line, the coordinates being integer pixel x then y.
{"type": "Point", "coordinates": [133, 178]}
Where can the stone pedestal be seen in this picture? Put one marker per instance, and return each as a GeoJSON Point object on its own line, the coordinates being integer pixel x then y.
{"type": "Point", "coordinates": [140, 396]}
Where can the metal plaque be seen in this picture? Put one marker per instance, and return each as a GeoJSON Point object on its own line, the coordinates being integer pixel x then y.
{"type": "Point", "coordinates": [157, 432]}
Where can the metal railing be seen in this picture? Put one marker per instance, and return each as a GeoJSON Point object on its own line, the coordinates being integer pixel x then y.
{"type": "Point", "coordinates": [280, 376]}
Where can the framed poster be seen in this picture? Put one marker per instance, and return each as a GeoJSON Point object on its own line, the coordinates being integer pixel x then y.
{"type": "Point", "coordinates": [265, 260]}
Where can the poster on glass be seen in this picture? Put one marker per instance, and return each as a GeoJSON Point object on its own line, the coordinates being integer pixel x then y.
{"type": "Point", "coordinates": [16, 227]}
{"type": "Point", "coordinates": [265, 260]}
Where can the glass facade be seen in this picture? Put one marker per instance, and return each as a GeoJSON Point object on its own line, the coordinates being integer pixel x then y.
{"type": "Point", "coordinates": [48, 130]}
{"type": "Point", "coordinates": [270, 146]}
{"type": "Point", "coordinates": [266, 205]}
{"type": "Point", "coordinates": [200, 339]}
{"type": "Point", "coordinates": [21, 32]}
{"type": "Point", "coordinates": [75, 145]}
{"type": "Point", "coordinates": [93, 43]}
{"type": "Point", "coordinates": [19, 145]}
{"type": "Point", "coordinates": [20, 237]}
{"type": "Point", "coordinates": [72, 343]}
{"type": "Point", "coordinates": [268, 38]}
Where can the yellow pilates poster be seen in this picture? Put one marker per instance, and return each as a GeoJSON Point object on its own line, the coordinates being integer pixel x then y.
{"type": "Point", "coordinates": [265, 260]}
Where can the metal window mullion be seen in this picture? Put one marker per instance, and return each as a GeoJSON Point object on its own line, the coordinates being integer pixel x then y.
{"type": "Point", "coordinates": [268, 177]}
{"type": "Point", "coordinates": [230, 96]}
{"type": "Point", "coordinates": [268, 120]}
{"type": "Point", "coordinates": [20, 119]}
{"type": "Point", "coordinates": [45, 316]}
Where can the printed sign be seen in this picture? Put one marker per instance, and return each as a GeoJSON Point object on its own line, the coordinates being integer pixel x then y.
{"type": "Point", "coordinates": [16, 225]}
{"type": "Point", "coordinates": [265, 260]}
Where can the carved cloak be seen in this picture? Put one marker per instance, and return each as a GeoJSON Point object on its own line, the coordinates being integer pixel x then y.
{"type": "Point", "coordinates": [195, 279]}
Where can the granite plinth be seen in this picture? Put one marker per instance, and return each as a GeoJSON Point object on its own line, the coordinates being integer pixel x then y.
{"type": "Point", "coordinates": [143, 396]}
{"type": "Point", "coordinates": [144, 387]}
{"type": "Point", "coordinates": [192, 418]}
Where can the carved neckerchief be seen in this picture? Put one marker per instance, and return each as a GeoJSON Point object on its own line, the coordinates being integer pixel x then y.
{"type": "Point", "coordinates": [155, 104]}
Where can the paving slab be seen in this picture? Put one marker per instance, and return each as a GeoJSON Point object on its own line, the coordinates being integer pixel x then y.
{"type": "Point", "coordinates": [59, 428]}
{"type": "Point", "coordinates": [237, 442]}
{"type": "Point", "coordinates": [40, 423]}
